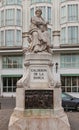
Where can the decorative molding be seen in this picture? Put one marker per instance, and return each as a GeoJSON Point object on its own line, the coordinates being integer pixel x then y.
{"type": "Point", "coordinates": [25, 34]}
{"type": "Point", "coordinates": [56, 33]}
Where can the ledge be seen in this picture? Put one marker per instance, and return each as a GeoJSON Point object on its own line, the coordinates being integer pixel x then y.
{"type": "Point", "coordinates": [69, 45]}
{"type": "Point", "coordinates": [10, 48]}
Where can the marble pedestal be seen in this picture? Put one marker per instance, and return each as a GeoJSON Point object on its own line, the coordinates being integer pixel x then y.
{"type": "Point", "coordinates": [38, 76]}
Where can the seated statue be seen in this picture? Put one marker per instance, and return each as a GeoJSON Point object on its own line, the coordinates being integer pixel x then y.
{"type": "Point", "coordinates": [38, 34]}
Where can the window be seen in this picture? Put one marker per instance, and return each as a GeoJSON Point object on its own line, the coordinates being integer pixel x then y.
{"type": "Point", "coordinates": [49, 14]}
{"type": "Point", "coordinates": [18, 18]}
{"type": "Point", "coordinates": [9, 37]}
{"type": "Point", "coordinates": [9, 83]}
{"type": "Point", "coordinates": [11, 2]}
{"type": "Point", "coordinates": [19, 2]}
{"type": "Point", "coordinates": [74, 81]}
{"type": "Point", "coordinates": [2, 18]}
{"type": "Point", "coordinates": [40, 1]}
{"type": "Point", "coordinates": [32, 12]}
{"type": "Point", "coordinates": [12, 62]}
{"type": "Point", "coordinates": [72, 12]}
{"type": "Point", "coordinates": [73, 34]}
{"type": "Point", "coordinates": [63, 14]}
{"type": "Point", "coordinates": [69, 61]}
{"type": "Point", "coordinates": [32, 1]}
{"type": "Point", "coordinates": [10, 15]}
{"type": "Point", "coordinates": [63, 0]}
{"type": "Point", "coordinates": [2, 38]}
{"type": "Point", "coordinates": [70, 83]}
{"type": "Point", "coordinates": [43, 12]}
{"type": "Point", "coordinates": [50, 36]}
{"type": "Point", "coordinates": [19, 38]}
{"type": "Point", "coordinates": [63, 35]}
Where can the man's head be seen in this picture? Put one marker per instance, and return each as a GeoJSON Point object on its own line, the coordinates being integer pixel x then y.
{"type": "Point", "coordinates": [38, 12]}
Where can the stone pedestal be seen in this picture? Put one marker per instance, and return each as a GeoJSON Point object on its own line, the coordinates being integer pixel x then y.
{"type": "Point", "coordinates": [38, 97]}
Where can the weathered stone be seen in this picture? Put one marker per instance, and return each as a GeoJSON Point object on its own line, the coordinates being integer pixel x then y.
{"type": "Point", "coordinates": [38, 76]}
{"type": "Point", "coordinates": [38, 95]}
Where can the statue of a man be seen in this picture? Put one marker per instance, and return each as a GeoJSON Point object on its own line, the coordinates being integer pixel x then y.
{"type": "Point", "coordinates": [38, 34]}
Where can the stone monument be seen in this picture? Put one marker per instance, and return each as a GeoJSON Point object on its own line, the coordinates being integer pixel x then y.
{"type": "Point", "coordinates": [38, 96]}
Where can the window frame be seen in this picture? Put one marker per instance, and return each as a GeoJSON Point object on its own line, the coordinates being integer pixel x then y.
{"type": "Point", "coordinates": [9, 86]}
{"type": "Point", "coordinates": [73, 12]}
{"type": "Point", "coordinates": [10, 17]}
{"type": "Point", "coordinates": [8, 62]}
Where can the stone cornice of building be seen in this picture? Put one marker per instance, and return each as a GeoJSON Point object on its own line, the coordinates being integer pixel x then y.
{"type": "Point", "coordinates": [19, 50]}
{"type": "Point", "coordinates": [66, 50]}
{"type": "Point", "coordinates": [69, 45]}
{"type": "Point", "coordinates": [55, 50]}
{"type": "Point", "coordinates": [11, 50]}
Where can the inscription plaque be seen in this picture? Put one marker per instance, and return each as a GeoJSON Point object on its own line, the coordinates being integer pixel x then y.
{"type": "Point", "coordinates": [38, 99]}
{"type": "Point", "coordinates": [38, 74]}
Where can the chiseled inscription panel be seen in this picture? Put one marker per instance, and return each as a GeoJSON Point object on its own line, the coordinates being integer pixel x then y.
{"type": "Point", "coordinates": [38, 99]}
{"type": "Point", "coordinates": [38, 74]}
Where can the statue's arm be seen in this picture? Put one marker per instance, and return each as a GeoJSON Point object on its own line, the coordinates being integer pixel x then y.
{"type": "Point", "coordinates": [37, 22]}
{"type": "Point", "coordinates": [33, 20]}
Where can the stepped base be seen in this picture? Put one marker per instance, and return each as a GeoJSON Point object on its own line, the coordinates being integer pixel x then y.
{"type": "Point", "coordinates": [38, 120]}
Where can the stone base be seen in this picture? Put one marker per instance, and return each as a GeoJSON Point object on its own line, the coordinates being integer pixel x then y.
{"type": "Point", "coordinates": [38, 120]}
{"type": "Point", "coordinates": [38, 76]}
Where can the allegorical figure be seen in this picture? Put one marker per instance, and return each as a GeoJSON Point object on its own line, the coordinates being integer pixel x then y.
{"type": "Point", "coordinates": [38, 34]}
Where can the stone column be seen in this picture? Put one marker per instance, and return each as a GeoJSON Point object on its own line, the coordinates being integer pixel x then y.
{"type": "Point", "coordinates": [56, 38]}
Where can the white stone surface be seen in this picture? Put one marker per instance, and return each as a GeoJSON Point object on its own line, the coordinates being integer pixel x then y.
{"type": "Point", "coordinates": [39, 71]}
{"type": "Point", "coordinates": [44, 122]}
{"type": "Point", "coordinates": [38, 74]}
{"type": "Point", "coordinates": [57, 98]}
{"type": "Point", "coordinates": [20, 96]}
{"type": "Point", "coordinates": [38, 65]}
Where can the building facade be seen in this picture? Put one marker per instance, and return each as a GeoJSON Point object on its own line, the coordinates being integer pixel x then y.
{"type": "Point", "coordinates": [63, 28]}
{"type": "Point", "coordinates": [11, 67]}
